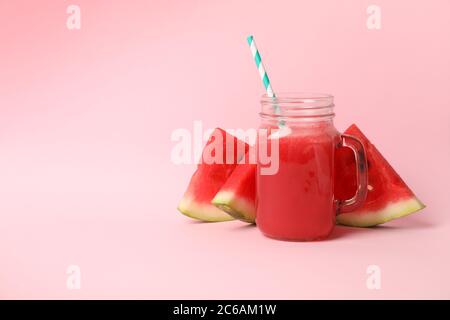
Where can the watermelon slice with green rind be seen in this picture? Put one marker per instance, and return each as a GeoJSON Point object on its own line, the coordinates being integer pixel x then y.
{"type": "Point", "coordinates": [388, 195]}
{"type": "Point", "coordinates": [237, 195]}
{"type": "Point", "coordinates": [211, 175]}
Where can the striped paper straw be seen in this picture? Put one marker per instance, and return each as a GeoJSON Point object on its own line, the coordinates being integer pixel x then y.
{"type": "Point", "coordinates": [260, 66]}
{"type": "Point", "coordinates": [264, 76]}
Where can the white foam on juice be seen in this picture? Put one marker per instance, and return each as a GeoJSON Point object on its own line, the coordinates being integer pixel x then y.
{"type": "Point", "coordinates": [283, 131]}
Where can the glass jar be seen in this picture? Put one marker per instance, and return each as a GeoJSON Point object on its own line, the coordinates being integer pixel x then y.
{"type": "Point", "coordinates": [295, 189]}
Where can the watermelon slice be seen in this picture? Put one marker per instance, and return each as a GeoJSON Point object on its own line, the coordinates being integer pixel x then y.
{"type": "Point", "coordinates": [212, 172]}
{"type": "Point", "coordinates": [237, 195]}
{"type": "Point", "coordinates": [388, 195]}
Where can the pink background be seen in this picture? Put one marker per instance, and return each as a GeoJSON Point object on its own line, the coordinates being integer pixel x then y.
{"type": "Point", "coordinates": [85, 123]}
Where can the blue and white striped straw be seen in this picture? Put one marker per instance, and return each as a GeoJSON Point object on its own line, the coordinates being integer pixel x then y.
{"type": "Point", "coordinates": [264, 76]}
{"type": "Point", "coordinates": [260, 66]}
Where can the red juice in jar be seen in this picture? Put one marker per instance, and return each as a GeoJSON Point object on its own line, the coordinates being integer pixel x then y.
{"type": "Point", "coordinates": [297, 201]}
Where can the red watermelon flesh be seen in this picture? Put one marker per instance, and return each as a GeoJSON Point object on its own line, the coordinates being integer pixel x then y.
{"type": "Point", "coordinates": [388, 195]}
{"type": "Point", "coordinates": [213, 170]}
{"type": "Point", "coordinates": [237, 195]}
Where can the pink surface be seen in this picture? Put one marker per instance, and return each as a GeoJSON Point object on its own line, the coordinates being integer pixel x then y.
{"type": "Point", "coordinates": [85, 123]}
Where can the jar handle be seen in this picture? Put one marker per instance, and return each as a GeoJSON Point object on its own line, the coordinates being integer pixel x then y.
{"type": "Point", "coordinates": [361, 174]}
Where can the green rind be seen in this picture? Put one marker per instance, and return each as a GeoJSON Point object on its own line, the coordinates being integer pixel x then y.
{"type": "Point", "coordinates": [390, 212]}
{"type": "Point", "coordinates": [240, 209]}
{"type": "Point", "coordinates": [202, 212]}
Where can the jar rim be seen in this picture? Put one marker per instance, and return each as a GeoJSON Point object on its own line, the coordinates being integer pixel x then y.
{"type": "Point", "coordinates": [302, 99]}
{"type": "Point", "coordinates": [297, 105]}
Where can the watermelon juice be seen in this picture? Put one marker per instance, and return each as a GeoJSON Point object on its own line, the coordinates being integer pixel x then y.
{"type": "Point", "coordinates": [297, 202]}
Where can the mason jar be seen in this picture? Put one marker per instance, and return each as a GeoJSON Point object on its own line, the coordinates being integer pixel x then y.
{"type": "Point", "coordinates": [296, 150]}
